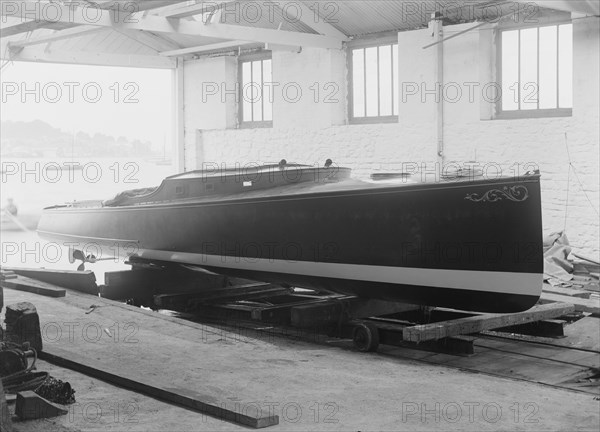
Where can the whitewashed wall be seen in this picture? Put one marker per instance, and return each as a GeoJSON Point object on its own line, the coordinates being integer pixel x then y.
{"type": "Point", "coordinates": [310, 131]}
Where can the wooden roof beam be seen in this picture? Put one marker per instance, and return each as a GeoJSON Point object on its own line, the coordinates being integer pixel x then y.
{"type": "Point", "coordinates": [205, 48]}
{"type": "Point", "coordinates": [22, 27]}
{"type": "Point", "coordinates": [42, 55]}
{"type": "Point", "coordinates": [583, 7]}
{"type": "Point", "coordinates": [311, 19]}
{"type": "Point", "coordinates": [157, 24]}
{"type": "Point", "coordinates": [196, 9]}
{"type": "Point", "coordinates": [151, 40]}
{"type": "Point", "coordinates": [58, 35]}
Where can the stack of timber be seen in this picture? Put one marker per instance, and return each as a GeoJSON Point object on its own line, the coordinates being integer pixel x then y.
{"type": "Point", "coordinates": [217, 297]}
{"type": "Point", "coordinates": [583, 300]}
{"type": "Point", "coordinates": [586, 275]}
{"type": "Point", "coordinates": [582, 290]}
{"type": "Point", "coordinates": [367, 321]}
{"type": "Point", "coordinates": [6, 274]}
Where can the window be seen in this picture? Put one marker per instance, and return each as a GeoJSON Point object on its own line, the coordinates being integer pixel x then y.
{"type": "Point", "coordinates": [536, 70]}
{"type": "Point", "coordinates": [256, 91]}
{"type": "Point", "coordinates": [374, 83]}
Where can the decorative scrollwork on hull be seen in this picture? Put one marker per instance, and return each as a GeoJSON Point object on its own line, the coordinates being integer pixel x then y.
{"type": "Point", "coordinates": [512, 193]}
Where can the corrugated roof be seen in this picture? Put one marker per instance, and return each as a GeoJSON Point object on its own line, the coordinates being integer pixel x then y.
{"type": "Point", "coordinates": [364, 17]}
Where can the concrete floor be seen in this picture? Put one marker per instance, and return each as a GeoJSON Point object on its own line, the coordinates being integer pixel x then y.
{"type": "Point", "coordinates": [310, 387]}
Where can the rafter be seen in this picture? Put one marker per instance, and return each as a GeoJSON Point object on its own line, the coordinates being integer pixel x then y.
{"type": "Point", "coordinates": [125, 9]}
{"type": "Point", "coordinates": [205, 48]}
{"type": "Point", "coordinates": [22, 27]}
{"type": "Point", "coordinates": [41, 55]}
{"type": "Point", "coordinates": [136, 6]}
{"type": "Point", "coordinates": [151, 40]}
{"type": "Point", "coordinates": [58, 35]}
{"type": "Point", "coordinates": [279, 47]}
{"type": "Point", "coordinates": [311, 19]}
{"type": "Point", "coordinates": [584, 7]}
{"type": "Point", "coordinates": [158, 24]}
{"type": "Point", "coordinates": [196, 9]}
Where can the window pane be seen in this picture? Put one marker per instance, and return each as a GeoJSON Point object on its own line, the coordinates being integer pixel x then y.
{"type": "Point", "coordinates": [375, 81]}
{"type": "Point", "coordinates": [267, 91]}
{"type": "Point", "coordinates": [548, 58]}
{"type": "Point", "coordinates": [371, 79]}
{"type": "Point", "coordinates": [565, 65]}
{"type": "Point", "coordinates": [358, 82]}
{"type": "Point", "coordinates": [510, 70]}
{"type": "Point", "coordinates": [246, 91]}
{"type": "Point", "coordinates": [385, 80]}
{"type": "Point", "coordinates": [257, 91]}
{"type": "Point", "coordinates": [528, 77]}
{"type": "Point", "coordinates": [396, 89]}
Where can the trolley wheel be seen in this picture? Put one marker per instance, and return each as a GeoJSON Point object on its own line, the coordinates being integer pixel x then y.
{"type": "Point", "coordinates": [366, 337]}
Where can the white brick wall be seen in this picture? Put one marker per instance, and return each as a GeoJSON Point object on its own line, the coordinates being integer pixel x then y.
{"type": "Point", "coordinates": [310, 132]}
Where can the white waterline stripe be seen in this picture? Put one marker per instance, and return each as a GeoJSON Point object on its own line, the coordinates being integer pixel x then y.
{"type": "Point", "coordinates": [490, 281]}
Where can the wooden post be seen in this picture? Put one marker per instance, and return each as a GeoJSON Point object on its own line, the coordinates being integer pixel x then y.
{"type": "Point", "coordinates": [178, 122]}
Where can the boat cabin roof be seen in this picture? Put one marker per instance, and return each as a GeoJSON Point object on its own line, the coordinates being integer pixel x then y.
{"type": "Point", "coordinates": [222, 182]}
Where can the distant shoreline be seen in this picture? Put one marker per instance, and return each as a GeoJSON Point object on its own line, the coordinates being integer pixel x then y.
{"type": "Point", "coordinates": [28, 220]}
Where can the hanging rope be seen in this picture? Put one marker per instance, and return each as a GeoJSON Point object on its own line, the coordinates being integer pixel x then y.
{"type": "Point", "coordinates": [584, 192]}
{"type": "Point", "coordinates": [568, 182]}
{"type": "Point", "coordinates": [581, 187]}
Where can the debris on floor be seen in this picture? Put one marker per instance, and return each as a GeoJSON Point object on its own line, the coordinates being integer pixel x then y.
{"type": "Point", "coordinates": [37, 394]}
{"type": "Point", "coordinates": [562, 272]}
{"type": "Point", "coordinates": [56, 391]}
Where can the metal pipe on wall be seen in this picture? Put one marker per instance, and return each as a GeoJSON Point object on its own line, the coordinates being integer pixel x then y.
{"type": "Point", "coordinates": [438, 33]}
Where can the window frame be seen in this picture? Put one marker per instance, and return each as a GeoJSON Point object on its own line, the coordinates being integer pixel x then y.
{"type": "Point", "coordinates": [363, 44]}
{"type": "Point", "coordinates": [529, 113]}
{"type": "Point", "coordinates": [248, 58]}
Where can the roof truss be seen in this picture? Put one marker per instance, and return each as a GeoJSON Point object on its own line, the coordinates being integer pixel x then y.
{"type": "Point", "coordinates": [48, 55]}
{"type": "Point", "coordinates": [582, 7]}
{"type": "Point", "coordinates": [173, 22]}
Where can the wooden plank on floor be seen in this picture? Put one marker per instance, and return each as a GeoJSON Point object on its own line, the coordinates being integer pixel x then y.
{"type": "Point", "coordinates": [281, 313]}
{"type": "Point", "coordinates": [83, 281]}
{"type": "Point", "coordinates": [544, 328]}
{"type": "Point", "coordinates": [223, 295]}
{"type": "Point", "coordinates": [180, 396]}
{"type": "Point", "coordinates": [7, 274]}
{"type": "Point", "coordinates": [478, 323]}
{"type": "Point", "coordinates": [591, 305]}
{"type": "Point", "coordinates": [145, 282]}
{"type": "Point", "coordinates": [22, 283]}
{"type": "Point", "coordinates": [567, 292]}
{"type": "Point", "coordinates": [328, 313]}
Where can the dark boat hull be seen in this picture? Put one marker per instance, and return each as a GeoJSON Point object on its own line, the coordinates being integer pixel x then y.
{"type": "Point", "coordinates": [473, 245]}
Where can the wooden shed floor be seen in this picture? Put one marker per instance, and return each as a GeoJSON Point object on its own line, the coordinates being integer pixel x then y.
{"type": "Point", "coordinates": [310, 386]}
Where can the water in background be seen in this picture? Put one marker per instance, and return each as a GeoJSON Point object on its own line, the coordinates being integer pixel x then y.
{"type": "Point", "coordinates": [37, 183]}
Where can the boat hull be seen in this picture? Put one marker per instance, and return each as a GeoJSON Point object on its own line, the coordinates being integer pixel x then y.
{"type": "Point", "coordinates": [473, 245]}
